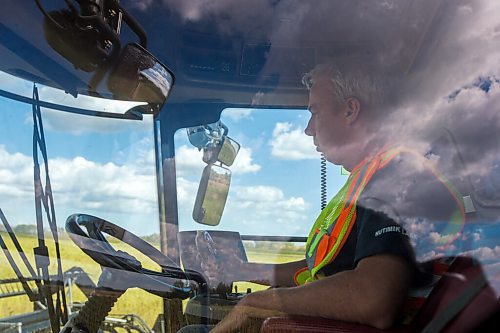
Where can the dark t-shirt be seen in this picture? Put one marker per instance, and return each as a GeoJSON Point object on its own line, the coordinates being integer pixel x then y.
{"type": "Point", "coordinates": [373, 233]}
{"type": "Point", "coordinates": [402, 194]}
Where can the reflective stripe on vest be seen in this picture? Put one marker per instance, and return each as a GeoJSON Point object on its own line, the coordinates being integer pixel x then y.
{"type": "Point", "coordinates": [334, 224]}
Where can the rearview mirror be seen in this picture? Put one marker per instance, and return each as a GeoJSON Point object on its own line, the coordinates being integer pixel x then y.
{"type": "Point", "coordinates": [225, 152]}
{"type": "Point", "coordinates": [139, 76]}
{"type": "Point", "coordinates": [212, 195]}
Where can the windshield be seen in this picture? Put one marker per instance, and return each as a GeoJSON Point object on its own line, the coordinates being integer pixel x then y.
{"type": "Point", "coordinates": [101, 166]}
{"type": "Point", "coordinates": [196, 165]}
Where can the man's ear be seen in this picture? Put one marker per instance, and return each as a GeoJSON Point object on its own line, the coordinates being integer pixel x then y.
{"type": "Point", "coordinates": [352, 108]}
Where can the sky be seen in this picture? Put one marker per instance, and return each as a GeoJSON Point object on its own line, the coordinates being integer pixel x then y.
{"type": "Point", "coordinates": [106, 167]}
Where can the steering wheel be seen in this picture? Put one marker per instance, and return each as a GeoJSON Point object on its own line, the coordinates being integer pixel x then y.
{"type": "Point", "coordinates": [95, 245]}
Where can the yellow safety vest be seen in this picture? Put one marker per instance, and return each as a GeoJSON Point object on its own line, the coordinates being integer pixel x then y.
{"type": "Point", "coordinates": [334, 224]}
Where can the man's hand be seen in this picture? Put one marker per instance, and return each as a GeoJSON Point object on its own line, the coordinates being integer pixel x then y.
{"type": "Point", "coordinates": [245, 311]}
{"type": "Point", "coordinates": [371, 294]}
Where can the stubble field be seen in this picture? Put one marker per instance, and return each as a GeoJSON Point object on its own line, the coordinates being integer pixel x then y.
{"type": "Point", "coordinates": [134, 301]}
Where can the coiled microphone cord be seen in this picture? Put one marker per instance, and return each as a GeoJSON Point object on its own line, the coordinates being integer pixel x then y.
{"type": "Point", "coordinates": [323, 182]}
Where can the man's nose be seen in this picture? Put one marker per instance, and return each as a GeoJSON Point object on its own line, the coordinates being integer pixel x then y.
{"type": "Point", "coordinates": [309, 129]}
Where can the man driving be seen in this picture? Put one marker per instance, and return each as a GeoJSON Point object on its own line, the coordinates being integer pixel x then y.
{"type": "Point", "coordinates": [359, 263]}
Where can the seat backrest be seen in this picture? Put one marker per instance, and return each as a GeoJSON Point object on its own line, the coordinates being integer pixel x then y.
{"type": "Point", "coordinates": [462, 273]}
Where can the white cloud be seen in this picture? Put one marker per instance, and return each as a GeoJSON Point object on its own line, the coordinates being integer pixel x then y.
{"type": "Point", "coordinates": [186, 192]}
{"type": "Point", "coordinates": [80, 185]}
{"type": "Point", "coordinates": [108, 186]}
{"type": "Point", "coordinates": [236, 114]}
{"type": "Point", "coordinates": [258, 209]}
{"type": "Point", "coordinates": [429, 256]}
{"type": "Point", "coordinates": [261, 205]}
{"type": "Point", "coordinates": [235, 13]}
{"type": "Point", "coordinates": [15, 85]}
{"type": "Point", "coordinates": [139, 154]}
{"type": "Point", "coordinates": [418, 228]}
{"type": "Point", "coordinates": [485, 253]}
{"type": "Point", "coordinates": [16, 173]}
{"type": "Point", "coordinates": [141, 4]}
{"type": "Point", "coordinates": [189, 160]}
{"type": "Point", "coordinates": [290, 143]}
{"type": "Point", "coordinates": [122, 191]}
{"type": "Point", "coordinates": [259, 193]}
{"type": "Point", "coordinates": [244, 162]}
{"type": "Point", "coordinates": [437, 238]}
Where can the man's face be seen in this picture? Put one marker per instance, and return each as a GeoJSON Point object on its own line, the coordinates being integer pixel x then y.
{"type": "Point", "coordinates": [327, 124]}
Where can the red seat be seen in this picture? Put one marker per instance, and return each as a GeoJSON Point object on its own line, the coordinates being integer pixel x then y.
{"type": "Point", "coordinates": [322, 325]}
{"type": "Point", "coordinates": [461, 275]}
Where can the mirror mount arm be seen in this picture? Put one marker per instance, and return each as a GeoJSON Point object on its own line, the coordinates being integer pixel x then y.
{"type": "Point", "coordinates": [135, 26]}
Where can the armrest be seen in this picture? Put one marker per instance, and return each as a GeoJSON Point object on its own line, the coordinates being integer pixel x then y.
{"type": "Point", "coordinates": [320, 325]}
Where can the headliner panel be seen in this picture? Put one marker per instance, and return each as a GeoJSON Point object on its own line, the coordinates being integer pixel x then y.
{"type": "Point", "coordinates": [238, 54]}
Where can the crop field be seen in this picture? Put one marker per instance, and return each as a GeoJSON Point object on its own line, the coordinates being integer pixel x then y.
{"type": "Point", "coordinates": [134, 301]}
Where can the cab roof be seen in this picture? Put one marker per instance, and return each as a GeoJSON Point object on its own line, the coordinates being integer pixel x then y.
{"type": "Point", "coordinates": [237, 52]}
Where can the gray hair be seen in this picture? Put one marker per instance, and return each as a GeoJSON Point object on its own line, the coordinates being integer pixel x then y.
{"type": "Point", "coordinates": [355, 79]}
